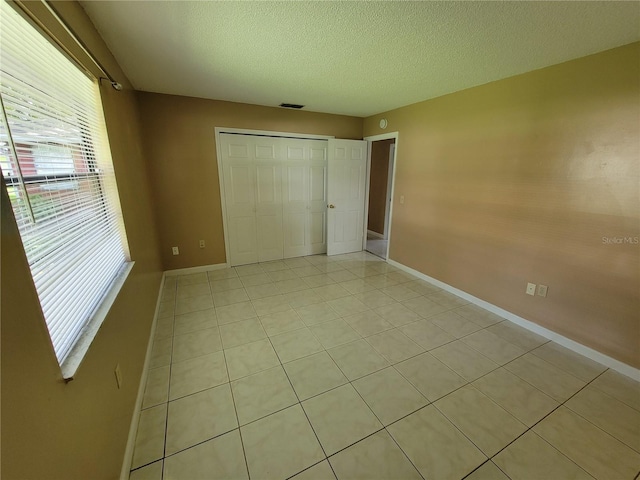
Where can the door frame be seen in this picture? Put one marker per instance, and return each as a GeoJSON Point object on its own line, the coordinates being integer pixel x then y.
{"type": "Point", "coordinates": [370, 140]}
{"type": "Point", "coordinates": [246, 131]}
{"type": "Point", "coordinates": [388, 196]}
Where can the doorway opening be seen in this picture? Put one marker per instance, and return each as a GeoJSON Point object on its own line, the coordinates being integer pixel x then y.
{"type": "Point", "coordinates": [380, 184]}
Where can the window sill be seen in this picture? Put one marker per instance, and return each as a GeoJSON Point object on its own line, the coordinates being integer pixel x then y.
{"type": "Point", "coordinates": [71, 364]}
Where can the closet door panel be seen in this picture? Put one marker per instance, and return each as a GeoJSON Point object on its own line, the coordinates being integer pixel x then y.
{"type": "Point", "coordinates": [295, 186]}
{"type": "Point", "coordinates": [241, 217]}
{"type": "Point", "coordinates": [269, 210]}
{"type": "Point", "coordinates": [317, 224]}
{"type": "Point", "coordinates": [244, 239]}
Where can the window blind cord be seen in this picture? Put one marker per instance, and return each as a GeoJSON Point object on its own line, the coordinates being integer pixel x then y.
{"type": "Point", "coordinates": [5, 121]}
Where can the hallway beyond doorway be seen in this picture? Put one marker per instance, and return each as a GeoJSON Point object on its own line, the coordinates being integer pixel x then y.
{"type": "Point", "coordinates": [377, 246]}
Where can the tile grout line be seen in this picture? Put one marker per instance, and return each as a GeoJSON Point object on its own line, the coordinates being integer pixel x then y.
{"type": "Point", "coordinates": [468, 475]}
{"type": "Point", "coordinates": [303, 411]}
{"type": "Point", "coordinates": [588, 420]}
{"type": "Point", "coordinates": [351, 382]}
{"type": "Point", "coordinates": [310, 467]}
{"type": "Point", "coordinates": [560, 404]}
{"type": "Point", "coordinates": [528, 428]}
{"type": "Point", "coordinates": [198, 443]}
{"type": "Point", "coordinates": [193, 393]}
{"type": "Point", "coordinates": [364, 337]}
{"type": "Point", "coordinates": [326, 349]}
{"type": "Point", "coordinates": [166, 420]}
{"type": "Point", "coordinates": [394, 327]}
{"type": "Point", "coordinates": [384, 427]}
{"type": "Point", "coordinates": [469, 383]}
{"type": "Point", "coordinates": [175, 299]}
{"type": "Point", "coordinates": [235, 409]}
{"type": "Point", "coordinates": [400, 447]}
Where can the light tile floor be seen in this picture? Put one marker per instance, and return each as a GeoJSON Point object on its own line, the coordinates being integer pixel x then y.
{"type": "Point", "coordinates": [345, 367]}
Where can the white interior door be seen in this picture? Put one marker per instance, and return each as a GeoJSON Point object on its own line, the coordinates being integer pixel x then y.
{"type": "Point", "coordinates": [346, 195]}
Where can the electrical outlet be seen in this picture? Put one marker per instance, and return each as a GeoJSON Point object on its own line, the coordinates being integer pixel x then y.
{"type": "Point", "coordinates": [201, 243]}
{"type": "Point", "coordinates": [175, 250]}
{"type": "Point", "coordinates": [542, 290]}
{"type": "Point", "coordinates": [531, 289]}
{"type": "Point", "coordinates": [401, 199]}
{"type": "Point", "coordinates": [118, 376]}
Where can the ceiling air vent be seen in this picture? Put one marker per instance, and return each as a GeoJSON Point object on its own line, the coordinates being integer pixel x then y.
{"type": "Point", "coordinates": [292, 105]}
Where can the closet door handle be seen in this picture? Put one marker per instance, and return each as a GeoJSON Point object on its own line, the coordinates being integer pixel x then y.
{"type": "Point", "coordinates": [331, 206]}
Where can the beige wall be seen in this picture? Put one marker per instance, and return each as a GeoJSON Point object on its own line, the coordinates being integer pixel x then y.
{"type": "Point", "coordinates": [180, 144]}
{"type": "Point", "coordinates": [378, 185]}
{"type": "Point", "coordinates": [518, 181]}
{"type": "Point", "coordinates": [79, 430]}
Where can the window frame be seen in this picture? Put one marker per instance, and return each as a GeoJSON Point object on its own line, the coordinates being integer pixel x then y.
{"type": "Point", "coordinates": [92, 321]}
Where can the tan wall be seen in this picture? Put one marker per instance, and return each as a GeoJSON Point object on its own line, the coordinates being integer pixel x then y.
{"type": "Point", "coordinates": [53, 430]}
{"type": "Point", "coordinates": [378, 185]}
{"type": "Point", "coordinates": [518, 181]}
{"type": "Point", "coordinates": [179, 141]}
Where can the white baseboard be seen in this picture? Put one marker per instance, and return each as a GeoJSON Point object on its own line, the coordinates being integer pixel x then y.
{"type": "Point", "coordinates": [133, 428]}
{"type": "Point", "coordinates": [375, 234]}
{"type": "Point", "coordinates": [590, 353]}
{"type": "Point", "coordinates": [200, 269]}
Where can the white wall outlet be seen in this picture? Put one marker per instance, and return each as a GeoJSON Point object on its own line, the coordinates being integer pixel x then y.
{"type": "Point", "coordinates": [201, 243]}
{"type": "Point", "coordinates": [531, 288]}
{"type": "Point", "coordinates": [118, 376]}
{"type": "Point", "coordinates": [401, 199]}
{"type": "Point", "coordinates": [542, 290]}
{"type": "Point", "coordinates": [175, 250]}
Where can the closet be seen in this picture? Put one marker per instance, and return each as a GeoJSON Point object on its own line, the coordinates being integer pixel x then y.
{"type": "Point", "coordinates": [275, 193]}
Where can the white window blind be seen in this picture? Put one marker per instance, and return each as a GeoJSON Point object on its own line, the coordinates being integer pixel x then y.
{"type": "Point", "coordinates": [56, 163]}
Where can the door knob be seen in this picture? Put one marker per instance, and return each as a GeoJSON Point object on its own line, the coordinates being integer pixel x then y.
{"type": "Point", "coordinates": [331, 206]}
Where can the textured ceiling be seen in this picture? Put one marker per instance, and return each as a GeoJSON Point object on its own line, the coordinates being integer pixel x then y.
{"type": "Point", "coordinates": [349, 57]}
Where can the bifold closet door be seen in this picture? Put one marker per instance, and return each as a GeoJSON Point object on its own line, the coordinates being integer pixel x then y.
{"type": "Point", "coordinates": [253, 197]}
{"type": "Point", "coordinates": [304, 197]}
{"type": "Point", "coordinates": [275, 192]}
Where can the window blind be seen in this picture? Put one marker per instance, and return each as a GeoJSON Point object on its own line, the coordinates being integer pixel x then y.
{"type": "Point", "coordinates": [56, 163]}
